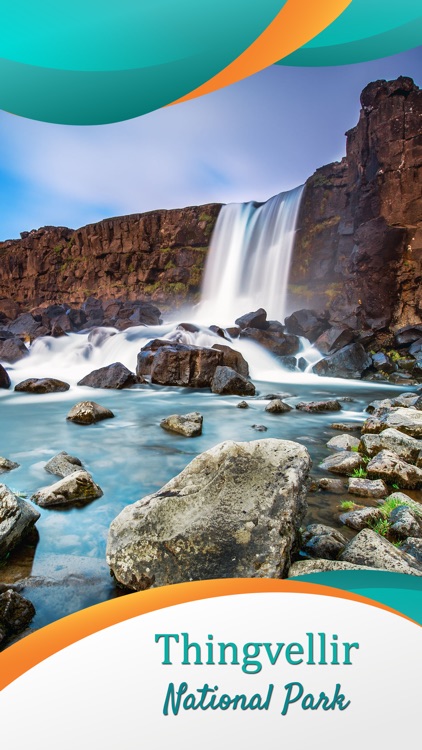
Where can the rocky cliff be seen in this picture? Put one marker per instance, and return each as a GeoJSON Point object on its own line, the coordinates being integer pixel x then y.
{"type": "Point", "coordinates": [155, 256]}
{"type": "Point", "coordinates": [359, 242]}
{"type": "Point", "coordinates": [358, 251]}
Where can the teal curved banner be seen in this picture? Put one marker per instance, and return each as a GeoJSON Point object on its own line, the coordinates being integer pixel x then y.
{"type": "Point", "coordinates": [364, 31]}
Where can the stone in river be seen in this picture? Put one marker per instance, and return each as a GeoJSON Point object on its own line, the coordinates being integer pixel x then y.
{"type": "Point", "coordinates": [17, 517]}
{"type": "Point", "coordinates": [403, 445]}
{"type": "Point", "coordinates": [42, 385]}
{"type": "Point", "coordinates": [257, 319]}
{"type": "Point", "coordinates": [319, 406]}
{"type": "Point", "coordinates": [189, 425]}
{"type": "Point", "coordinates": [242, 405]}
{"type": "Point", "coordinates": [276, 406]}
{"type": "Point", "coordinates": [371, 549]}
{"type": "Point", "coordinates": [344, 462]}
{"type": "Point", "coordinates": [88, 412]}
{"type": "Point", "coordinates": [16, 613]}
{"type": "Point", "coordinates": [374, 488]}
{"type": "Point", "coordinates": [227, 381]}
{"type": "Point", "coordinates": [361, 518]}
{"type": "Point", "coordinates": [4, 378]}
{"type": "Point", "coordinates": [62, 465]}
{"type": "Point", "coordinates": [390, 467]}
{"type": "Point", "coordinates": [115, 376]}
{"type": "Point", "coordinates": [78, 487]}
{"type": "Point", "coordinates": [233, 512]}
{"type": "Point", "coordinates": [336, 486]}
{"type": "Point", "coordinates": [319, 540]}
{"type": "Point", "coordinates": [6, 465]}
{"type": "Point", "coordinates": [259, 427]}
{"type": "Point", "coordinates": [343, 443]}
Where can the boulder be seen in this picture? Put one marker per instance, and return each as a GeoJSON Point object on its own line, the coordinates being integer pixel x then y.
{"type": "Point", "coordinates": [88, 412]}
{"type": "Point", "coordinates": [62, 465]}
{"type": "Point", "coordinates": [278, 343]}
{"type": "Point", "coordinates": [16, 613]}
{"type": "Point", "coordinates": [228, 382]}
{"type": "Point", "coordinates": [242, 405]}
{"type": "Point", "coordinates": [390, 467]}
{"type": "Point", "coordinates": [233, 512]}
{"type": "Point", "coordinates": [413, 546]}
{"type": "Point", "coordinates": [307, 567]}
{"type": "Point", "coordinates": [28, 326]}
{"type": "Point", "coordinates": [323, 541]}
{"type": "Point", "coordinates": [334, 339]}
{"type": "Point", "coordinates": [232, 358]}
{"type": "Point", "coordinates": [12, 350]}
{"type": "Point", "coordinates": [407, 420]}
{"type": "Point", "coordinates": [404, 522]}
{"type": "Point", "coordinates": [17, 517]}
{"type": "Point", "coordinates": [78, 487]}
{"type": "Point", "coordinates": [112, 376]}
{"type": "Point", "coordinates": [4, 378]}
{"type": "Point", "coordinates": [374, 488]}
{"type": "Point", "coordinates": [306, 323]}
{"type": "Point", "coordinates": [343, 443]}
{"type": "Point", "coordinates": [319, 406]}
{"type": "Point", "coordinates": [189, 425]}
{"type": "Point", "coordinates": [408, 334]}
{"type": "Point", "coordinates": [42, 385]}
{"type": "Point", "coordinates": [182, 365]}
{"type": "Point", "coordinates": [361, 518]}
{"type": "Point", "coordinates": [383, 363]}
{"type": "Point", "coordinates": [257, 319]}
{"type": "Point", "coordinates": [345, 426]}
{"type": "Point", "coordinates": [336, 486]}
{"type": "Point", "coordinates": [349, 362]}
{"type": "Point", "coordinates": [277, 406]}
{"type": "Point", "coordinates": [344, 462]}
{"type": "Point", "coordinates": [288, 363]}
{"type": "Point", "coordinates": [6, 465]}
{"type": "Point", "coordinates": [403, 445]}
{"type": "Point", "coordinates": [373, 550]}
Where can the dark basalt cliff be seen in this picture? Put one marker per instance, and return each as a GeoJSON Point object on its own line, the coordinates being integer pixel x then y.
{"type": "Point", "coordinates": [156, 256]}
{"type": "Point", "coordinates": [359, 243]}
{"type": "Point", "coordinates": [358, 251]}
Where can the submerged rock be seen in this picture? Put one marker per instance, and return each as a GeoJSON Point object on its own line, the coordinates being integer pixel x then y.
{"type": "Point", "coordinates": [343, 443]}
{"type": "Point", "coordinates": [319, 540]}
{"type": "Point", "coordinates": [42, 385]}
{"type": "Point", "coordinates": [227, 381]}
{"type": "Point", "coordinates": [4, 378]}
{"type": "Point", "coordinates": [276, 406]}
{"type": "Point", "coordinates": [16, 613]}
{"type": "Point", "coordinates": [242, 405]}
{"type": "Point", "coordinates": [374, 488]}
{"type": "Point", "coordinates": [259, 427]}
{"type": "Point", "coordinates": [390, 467]}
{"type": "Point", "coordinates": [78, 487]}
{"type": "Point", "coordinates": [6, 465]}
{"type": "Point", "coordinates": [189, 425]}
{"type": "Point", "coordinates": [62, 465]}
{"type": "Point", "coordinates": [17, 517]}
{"type": "Point", "coordinates": [88, 412]}
{"type": "Point", "coordinates": [112, 376]}
{"type": "Point", "coordinates": [234, 511]}
{"type": "Point", "coordinates": [373, 550]}
{"type": "Point", "coordinates": [319, 406]}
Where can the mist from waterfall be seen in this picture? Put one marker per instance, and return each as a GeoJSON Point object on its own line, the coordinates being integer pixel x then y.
{"type": "Point", "coordinates": [249, 259]}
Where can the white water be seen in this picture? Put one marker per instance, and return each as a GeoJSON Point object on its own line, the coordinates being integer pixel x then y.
{"type": "Point", "coordinates": [249, 259]}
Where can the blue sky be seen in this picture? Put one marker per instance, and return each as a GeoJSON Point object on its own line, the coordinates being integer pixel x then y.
{"type": "Point", "coordinates": [247, 142]}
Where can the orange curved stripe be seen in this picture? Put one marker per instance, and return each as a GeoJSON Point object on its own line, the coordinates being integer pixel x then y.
{"type": "Point", "coordinates": [33, 649]}
{"type": "Point", "coordinates": [296, 23]}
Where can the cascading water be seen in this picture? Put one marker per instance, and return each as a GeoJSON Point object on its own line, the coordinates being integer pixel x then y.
{"type": "Point", "coordinates": [249, 259]}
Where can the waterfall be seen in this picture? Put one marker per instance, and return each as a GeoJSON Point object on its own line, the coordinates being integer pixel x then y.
{"type": "Point", "coordinates": [249, 259]}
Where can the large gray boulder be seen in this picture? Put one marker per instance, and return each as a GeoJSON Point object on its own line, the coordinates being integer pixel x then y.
{"type": "Point", "coordinates": [343, 443]}
{"type": "Point", "coordinates": [407, 420]}
{"type": "Point", "coordinates": [16, 518]}
{"type": "Point", "coordinates": [373, 550]}
{"type": "Point", "coordinates": [374, 488]}
{"type": "Point", "coordinates": [78, 487]}
{"type": "Point", "coordinates": [62, 465]}
{"type": "Point", "coordinates": [390, 439]}
{"type": "Point", "coordinates": [343, 462]}
{"type": "Point", "coordinates": [392, 469]}
{"type": "Point", "coordinates": [234, 511]}
{"type": "Point", "coordinates": [349, 362]}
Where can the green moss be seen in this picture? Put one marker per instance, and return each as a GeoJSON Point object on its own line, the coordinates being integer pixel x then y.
{"type": "Point", "coordinates": [393, 502]}
{"type": "Point", "coordinates": [347, 505]}
{"type": "Point", "coordinates": [169, 265]}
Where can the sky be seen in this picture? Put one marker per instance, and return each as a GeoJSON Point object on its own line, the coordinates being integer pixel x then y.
{"type": "Point", "coordinates": [254, 139]}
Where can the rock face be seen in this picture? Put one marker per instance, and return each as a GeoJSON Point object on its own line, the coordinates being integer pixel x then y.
{"type": "Point", "coordinates": [155, 256]}
{"type": "Point", "coordinates": [112, 376]}
{"type": "Point", "coordinates": [42, 385]}
{"type": "Point", "coordinates": [16, 518]}
{"type": "Point", "coordinates": [189, 425]}
{"type": "Point", "coordinates": [78, 487]}
{"type": "Point", "coordinates": [358, 253]}
{"type": "Point", "coordinates": [88, 412]}
{"type": "Point", "coordinates": [234, 511]}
